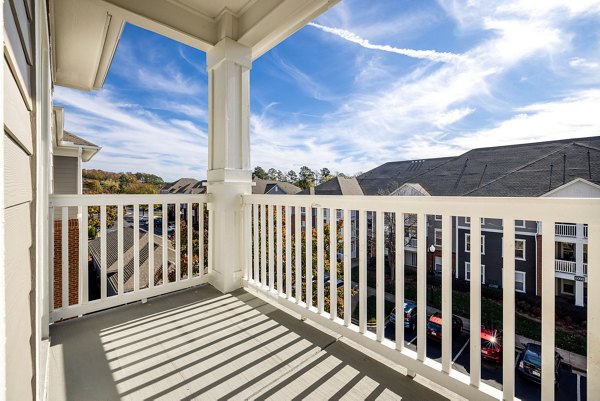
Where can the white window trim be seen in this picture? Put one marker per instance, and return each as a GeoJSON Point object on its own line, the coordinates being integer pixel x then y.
{"type": "Point", "coordinates": [436, 217]}
{"type": "Point", "coordinates": [467, 235]}
{"type": "Point", "coordinates": [524, 243]}
{"type": "Point", "coordinates": [467, 220]}
{"type": "Point", "coordinates": [468, 269]}
{"type": "Point", "coordinates": [562, 288]}
{"type": "Point", "coordinates": [483, 221]}
{"type": "Point", "coordinates": [522, 225]}
{"type": "Point", "coordinates": [437, 233]}
{"type": "Point", "coordinates": [524, 281]}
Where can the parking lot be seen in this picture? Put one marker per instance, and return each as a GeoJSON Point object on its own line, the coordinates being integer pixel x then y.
{"type": "Point", "coordinates": [572, 385]}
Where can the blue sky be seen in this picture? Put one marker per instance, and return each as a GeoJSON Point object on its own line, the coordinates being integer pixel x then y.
{"type": "Point", "coordinates": [362, 85]}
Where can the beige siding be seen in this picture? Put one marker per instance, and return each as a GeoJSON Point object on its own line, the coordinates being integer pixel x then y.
{"type": "Point", "coordinates": [65, 175]}
{"type": "Point", "coordinates": [19, 301]}
{"type": "Point", "coordinates": [19, 176]}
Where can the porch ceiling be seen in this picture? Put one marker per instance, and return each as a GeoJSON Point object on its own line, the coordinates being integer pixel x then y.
{"type": "Point", "coordinates": [85, 33]}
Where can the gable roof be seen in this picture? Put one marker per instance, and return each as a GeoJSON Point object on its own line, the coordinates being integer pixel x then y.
{"type": "Point", "coordinates": [76, 140]}
{"type": "Point", "coordinates": [268, 186]}
{"type": "Point", "coordinates": [185, 186]}
{"type": "Point", "coordinates": [531, 169]}
{"type": "Point", "coordinates": [112, 254]}
{"type": "Point", "coordinates": [338, 185]}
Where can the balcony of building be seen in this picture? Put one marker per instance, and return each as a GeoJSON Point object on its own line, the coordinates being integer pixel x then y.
{"type": "Point", "coordinates": [231, 302]}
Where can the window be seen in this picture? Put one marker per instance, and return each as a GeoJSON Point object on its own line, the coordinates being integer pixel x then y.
{"type": "Point", "coordinates": [520, 223]}
{"type": "Point", "coordinates": [568, 287]}
{"type": "Point", "coordinates": [468, 272]}
{"type": "Point", "coordinates": [519, 281]}
{"type": "Point", "coordinates": [467, 220]}
{"type": "Point", "coordinates": [438, 217]}
{"type": "Point", "coordinates": [468, 243]}
{"type": "Point", "coordinates": [438, 237]}
{"type": "Point", "coordinates": [520, 249]}
{"type": "Point", "coordinates": [482, 221]}
{"type": "Point", "coordinates": [438, 264]}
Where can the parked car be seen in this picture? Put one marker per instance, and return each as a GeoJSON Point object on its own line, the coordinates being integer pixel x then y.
{"type": "Point", "coordinates": [491, 344]}
{"type": "Point", "coordinates": [410, 315]}
{"type": "Point", "coordinates": [529, 363]}
{"type": "Point", "coordinates": [434, 326]}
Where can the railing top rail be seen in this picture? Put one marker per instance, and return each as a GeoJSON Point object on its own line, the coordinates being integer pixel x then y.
{"type": "Point", "coordinates": [124, 199]}
{"type": "Point", "coordinates": [577, 210]}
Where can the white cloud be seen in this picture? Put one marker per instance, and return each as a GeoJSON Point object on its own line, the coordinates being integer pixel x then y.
{"type": "Point", "coordinates": [431, 55]}
{"type": "Point", "coordinates": [133, 139]}
{"type": "Point", "coordinates": [574, 116]}
{"type": "Point", "coordinates": [578, 62]}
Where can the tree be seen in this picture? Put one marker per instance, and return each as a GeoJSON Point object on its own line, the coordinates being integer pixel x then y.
{"type": "Point", "coordinates": [324, 175]}
{"type": "Point", "coordinates": [272, 174]}
{"type": "Point", "coordinates": [260, 173]}
{"type": "Point", "coordinates": [307, 178]}
{"type": "Point", "coordinates": [292, 177]}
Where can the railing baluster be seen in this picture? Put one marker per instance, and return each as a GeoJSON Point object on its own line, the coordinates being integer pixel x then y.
{"type": "Point", "coordinates": [362, 271]}
{"type": "Point", "coordinates": [446, 292]}
{"type": "Point", "coordinates": [151, 269]}
{"type": "Point", "coordinates": [103, 252]}
{"type": "Point", "coordinates": [190, 259]}
{"type": "Point", "coordinates": [309, 275]}
{"type": "Point", "coordinates": [421, 285]}
{"type": "Point", "coordinates": [333, 263]}
{"type": "Point", "coordinates": [83, 241]}
{"type": "Point", "coordinates": [120, 278]}
{"type": "Point", "coordinates": [379, 274]}
{"type": "Point", "coordinates": [165, 245]}
{"type": "Point", "coordinates": [136, 247]}
{"type": "Point", "coordinates": [271, 243]}
{"type": "Point", "coordinates": [263, 245]}
{"type": "Point", "coordinates": [65, 255]}
{"type": "Point", "coordinates": [255, 227]}
{"type": "Point", "coordinates": [320, 262]}
{"type": "Point", "coordinates": [298, 251]}
{"type": "Point", "coordinates": [177, 241]}
{"type": "Point", "coordinates": [347, 267]}
{"type": "Point", "coordinates": [475, 305]}
{"type": "Point", "coordinates": [508, 308]}
{"type": "Point", "coordinates": [288, 252]}
{"type": "Point", "coordinates": [399, 246]}
{"type": "Point", "coordinates": [279, 222]}
{"type": "Point", "coordinates": [548, 307]}
{"type": "Point", "coordinates": [201, 239]}
{"type": "Point", "coordinates": [593, 313]}
{"type": "Point", "coordinates": [247, 242]}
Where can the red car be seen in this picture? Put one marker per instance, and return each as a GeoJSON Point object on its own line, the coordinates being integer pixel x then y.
{"type": "Point", "coordinates": [434, 326]}
{"type": "Point", "coordinates": [491, 344]}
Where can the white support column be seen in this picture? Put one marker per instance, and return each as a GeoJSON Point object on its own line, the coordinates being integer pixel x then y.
{"type": "Point", "coordinates": [579, 292]}
{"type": "Point", "coordinates": [229, 175]}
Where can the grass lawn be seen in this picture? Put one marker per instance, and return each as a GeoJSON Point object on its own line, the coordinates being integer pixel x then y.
{"type": "Point", "coordinates": [372, 310]}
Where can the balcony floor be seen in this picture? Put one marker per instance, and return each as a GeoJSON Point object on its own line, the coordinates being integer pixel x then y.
{"type": "Point", "coordinates": [201, 344]}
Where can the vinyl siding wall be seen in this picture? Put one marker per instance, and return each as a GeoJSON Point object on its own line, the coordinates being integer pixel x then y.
{"type": "Point", "coordinates": [19, 211]}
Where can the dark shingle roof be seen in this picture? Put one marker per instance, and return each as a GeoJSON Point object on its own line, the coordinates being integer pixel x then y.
{"type": "Point", "coordinates": [264, 186]}
{"type": "Point", "coordinates": [128, 262]}
{"type": "Point", "coordinates": [514, 170]}
{"type": "Point", "coordinates": [67, 136]}
{"type": "Point", "coordinates": [336, 186]}
{"type": "Point", "coordinates": [185, 186]}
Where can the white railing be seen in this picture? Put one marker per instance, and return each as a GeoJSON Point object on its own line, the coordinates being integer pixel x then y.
{"type": "Point", "coordinates": [104, 254]}
{"type": "Point", "coordinates": [565, 230]}
{"type": "Point", "coordinates": [279, 266]}
{"type": "Point", "coordinates": [565, 266]}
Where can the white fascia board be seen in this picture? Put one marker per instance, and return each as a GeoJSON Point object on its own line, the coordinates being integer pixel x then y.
{"type": "Point", "coordinates": [571, 183]}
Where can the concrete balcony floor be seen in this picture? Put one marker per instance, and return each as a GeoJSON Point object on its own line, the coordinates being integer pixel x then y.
{"type": "Point", "coordinates": [201, 344]}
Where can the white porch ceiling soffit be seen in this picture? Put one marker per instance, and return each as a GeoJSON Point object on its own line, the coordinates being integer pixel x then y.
{"type": "Point", "coordinates": [85, 33]}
